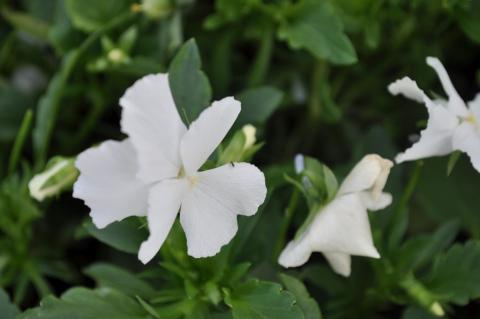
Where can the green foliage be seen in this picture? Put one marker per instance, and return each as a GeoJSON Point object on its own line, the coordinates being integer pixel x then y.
{"type": "Point", "coordinates": [257, 299]}
{"type": "Point", "coordinates": [91, 15]}
{"type": "Point", "coordinates": [190, 87]}
{"type": "Point", "coordinates": [305, 302]}
{"type": "Point", "coordinates": [258, 104]}
{"type": "Point", "coordinates": [88, 304]}
{"type": "Point", "coordinates": [7, 309]}
{"type": "Point", "coordinates": [314, 25]}
{"type": "Point", "coordinates": [126, 235]}
{"type": "Point", "coordinates": [455, 276]}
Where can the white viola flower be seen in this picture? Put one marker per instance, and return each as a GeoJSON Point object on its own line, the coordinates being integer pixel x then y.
{"type": "Point", "coordinates": [452, 125]}
{"type": "Point", "coordinates": [155, 172]}
{"type": "Point", "coordinates": [341, 228]}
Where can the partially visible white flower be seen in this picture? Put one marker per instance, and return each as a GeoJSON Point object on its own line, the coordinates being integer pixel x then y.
{"type": "Point", "coordinates": [59, 175]}
{"type": "Point", "coordinates": [452, 125]}
{"type": "Point", "coordinates": [155, 172]}
{"type": "Point", "coordinates": [341, 228]}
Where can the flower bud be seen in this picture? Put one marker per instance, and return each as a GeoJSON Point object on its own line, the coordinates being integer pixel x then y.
{"type": "Point", "coordinates": [59, 175]}
{"type": "Point", "coordinates": [157, 9]}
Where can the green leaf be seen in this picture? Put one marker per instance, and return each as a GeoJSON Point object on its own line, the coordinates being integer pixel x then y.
{"type": "Point", "coordinates": [420, 250]}
{"type": "Point", "coordinates": [190, 86]}
{"type": "Point", "coordinates": [452, 161]}
{"type": "Point", "coordinates": [26, 23]}
{"type": "Point", "coordinates": [7, 309]}
{"type": "Point", "coordinates": [90, 15]}
{"type": "Point", "coordinates": [258, 105]}
{"type": "Point", "coordinates": [417, 313]}
{"type": "Point", "coordinates": [259, 299]}
{"type": "Point", "coordinates": [126, 235]}
{"type": "Point", "coordinates": [315, 26]}
{"type": "Point", "coordinates": [455, 275]}
{"type": "Point", "coordinates": [84, 303]}
{"type": "Point", "coordinates": [111, 276]}
{"type": "Point", "coordinates": [306, 303]}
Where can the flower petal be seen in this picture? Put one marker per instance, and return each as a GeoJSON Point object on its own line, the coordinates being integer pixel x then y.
{"type": "Point", "coordinates": [370, 173]}
{"type": "Point", "coordinates": [341, 263]}
{"type": "Point", "coordinates": [474, 106]}
{"type": "Point", "coordinates": [296, 253]}
{"type": "Point", "coordinates": [343, 226]}
{"type": "Point", "coordinates": [467, 139]}
{"type": "Point", "coordinates": [151, 120]}
{"type": "Point", "coordinates": [455, 102]}
{"type": "Point", "coordinates": [164, 202]}
{"type": "Point", "coordinates": [408, 88]}
{"type": "Point", "coordinates": [436, 139]}
{"type": "Point", "coordinates": [209, 211]}
{"type": "Point", "coordinates": [107, 182]}
{"type": "Point", "coordinates": [207, 132]}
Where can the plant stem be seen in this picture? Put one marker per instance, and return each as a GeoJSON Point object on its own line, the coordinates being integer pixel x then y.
{"type": "Point", "coordinates": [261, 64]}
{"type": "Point", "coordinates": [20, 141]}
{"type": "Point", "coordinates": [289, 212]}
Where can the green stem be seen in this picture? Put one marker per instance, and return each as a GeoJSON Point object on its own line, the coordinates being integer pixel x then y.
{"type": "Point", "coordinates": [401, 211]}
{"type": "Point", "coordinates": [261, 64]}
{"type": "Point", "coordinates": [287, 220]}
{"type": "Point", "coordinates": [420, 295]}
{"type": "Point", "coordinates": [20, 141]}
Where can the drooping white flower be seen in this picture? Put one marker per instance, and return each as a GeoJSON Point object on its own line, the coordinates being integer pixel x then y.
{"type": "Point", "coordinates": [452, 124]}
{"type": "Point", "coordinates": [341, 228]}
{"type": "Point", "coordinates": [155, 172]}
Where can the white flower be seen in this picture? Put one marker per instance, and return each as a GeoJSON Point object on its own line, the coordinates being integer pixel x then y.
{"type": "Point", "coordinates": [155, 173]}
{"type": "Point", "coordinates": [452, 125]}
{"type": "Point", "coordinates": [341, 228]}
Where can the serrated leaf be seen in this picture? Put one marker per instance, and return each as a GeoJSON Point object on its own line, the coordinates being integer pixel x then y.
{"type": "Point", "coordinates": [307, 304]}
{"type": "Point", "coordinates": [84, 303]}
{"type": "Point", "coordinates": [126, 235]}
{"type": "Point", "coordinates": [7, 309]}
{"type": "Point", "coordinates": [90, 15]}
{"type": "Point", "coordinates": [455, 275]}
{"type": "Point", "coordinates": [190, 86]}
{"type": "Point", "coordinates": [258, 105]}
{"type": "Point", "coordinates": [259, 299]}
{"type": "Point", "coordinates": [315, 26]}
{"type": "Point", "coordinates": [111, 276]}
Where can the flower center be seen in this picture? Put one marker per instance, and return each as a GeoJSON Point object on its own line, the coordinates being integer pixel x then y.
{"type": "Point", "coordinates": [192, 180]}
{"type": "Point", "coordinates": [470, 118]}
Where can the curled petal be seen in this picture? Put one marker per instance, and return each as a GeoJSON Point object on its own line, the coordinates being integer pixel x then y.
{"type": "Point", "coordinates": [296, 253]}
{"type": "Point", "coordinates": [340, 263]}
{"type": "Point", "coordinates": [164, 203]}
{"type": "Point", "coordinates": [207, 132]}
{"type": "Point", "coordinates": [408, 88]}
{"type": "Point", "coordinates": [151, 120]}
{"type": "Point", "coordinates": [209, 211]}
{"type": "Point", "coordinates": [455, 103]}
{"type": "Point", "coordinates": [370, 173]}
{"type": "Point", "coordinates": [467, 139]}
{"type": "Point", "coordinates": [436, 139]}
{"type": "Point", "coordinates": [107, 182]}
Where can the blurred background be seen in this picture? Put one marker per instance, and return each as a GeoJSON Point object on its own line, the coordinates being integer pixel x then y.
{"type": "Point", "coordinates": [313, 75]}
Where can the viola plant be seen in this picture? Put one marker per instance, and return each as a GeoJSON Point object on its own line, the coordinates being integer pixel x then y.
{"type": "Point", "coordinates": [155, 172]}
{"type": "Point", "coordinates": [151, 159]}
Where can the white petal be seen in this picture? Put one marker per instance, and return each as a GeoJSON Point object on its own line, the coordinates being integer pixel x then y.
{"type": "Point", "coordinates": [370, 173]}
{"type": "Point", "coordinates": [378, 202]}
{"type": "Point", "coordinates": [474, 107]}
{"type": "Point", "coordinates": [467, 139]}
{"type": "Point", "coordinates": [164, 202]}
{"type": "Point", "coordinates": [343, 227]}
{"type": "Point", "coordinates": [341, 263]}
{"type": "Point", "coordinates": [436, 139]}
{"type": "Point", "coordinates": [296, 253]}
{"type": "Point", "coordinates": [151, 120]}
{"type": "Point", "coordinates": [207, 132]}
{"type": "Point", "coordinates": [408, 88]}
{"type": "Point", "coordinates": [455, 102]}
{"type": "Point", "coordinates": [209, 211]}
{"type": "Point", "coordinates": [107, 182]}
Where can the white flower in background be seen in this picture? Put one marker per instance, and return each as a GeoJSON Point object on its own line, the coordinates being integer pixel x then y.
{"type": "Point", "coordinates": [155, 172]}
{"type": "Point", "coordinates": [452, 125]}
{"type": "Point", "coordinates": [341, 228]}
